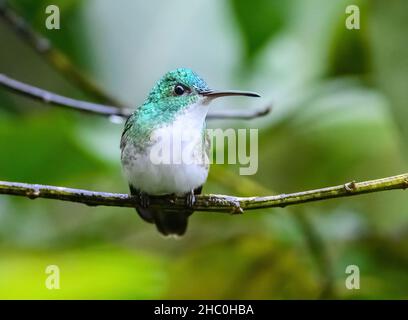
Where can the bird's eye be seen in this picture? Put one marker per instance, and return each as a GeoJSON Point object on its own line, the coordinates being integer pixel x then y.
{"type": "Point", "coordinates": [179, 90]}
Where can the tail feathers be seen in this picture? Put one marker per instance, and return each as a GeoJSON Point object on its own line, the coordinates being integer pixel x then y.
{"type": "Point", "coordinates": [168, 221]}
{"type": "Point", "coordinates": [145, 214]}
{"type": "Point", "coordinates": [171, 223]}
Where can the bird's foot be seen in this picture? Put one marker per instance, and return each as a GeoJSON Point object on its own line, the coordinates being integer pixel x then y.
{"type": "Point", "coordinates": [144, 199]}
{"type": "Point", "coordinates": [190, 199]}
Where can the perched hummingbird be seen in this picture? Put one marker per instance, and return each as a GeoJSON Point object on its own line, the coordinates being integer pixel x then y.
{"type": "Point", "coordinates": [178, 103]}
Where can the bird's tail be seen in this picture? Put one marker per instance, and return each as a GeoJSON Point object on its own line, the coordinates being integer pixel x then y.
{"type": "Point", "coordinates": [171, 222]}
{"type": "Point", "coordinates": [168, 221]}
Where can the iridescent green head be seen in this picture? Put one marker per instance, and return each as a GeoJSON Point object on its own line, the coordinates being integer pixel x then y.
{"type": "Point", "coordinates": [183, 86]}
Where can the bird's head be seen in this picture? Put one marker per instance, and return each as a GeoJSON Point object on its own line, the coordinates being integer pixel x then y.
{"type": "Point", "coordinates": [182, 87]}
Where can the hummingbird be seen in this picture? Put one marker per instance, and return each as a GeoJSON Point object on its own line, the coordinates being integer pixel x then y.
{"type": "Point", "coordinates": [176, 107]}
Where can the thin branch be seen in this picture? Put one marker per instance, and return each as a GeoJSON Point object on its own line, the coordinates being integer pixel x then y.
{"type": "Point", "coordinates": [53, 56]}
{"type": "Point", "coordinates": [105, 110]}
{"type": "Point", "coordinates": [234, 114]}
{"type": "Point", "coordinates": [58, 100]}
{"type": "Point", "coordinates": [211, 202]}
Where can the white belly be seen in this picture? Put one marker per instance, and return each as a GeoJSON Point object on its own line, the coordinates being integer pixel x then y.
{"type": "Point", "coordinates": [176, 162]}
{"type": "Point", "coordinates": [159, 179]}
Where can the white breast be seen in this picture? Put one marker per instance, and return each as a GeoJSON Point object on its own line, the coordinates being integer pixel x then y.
{"type": "Point", "coordinates": [176, 162]}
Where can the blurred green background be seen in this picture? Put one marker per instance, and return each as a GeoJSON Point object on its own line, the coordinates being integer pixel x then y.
{"type": "Point", "coordinates": [340, 109]}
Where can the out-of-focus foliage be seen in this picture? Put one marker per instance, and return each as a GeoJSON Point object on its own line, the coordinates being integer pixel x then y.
{"type": "Point", "coordinates": [259, 21]}
{"type": "Point", "coordinates": [339, 111]}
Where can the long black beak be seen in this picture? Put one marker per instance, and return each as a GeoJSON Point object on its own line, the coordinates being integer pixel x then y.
{"type": "Point", "coordinates": [216, 94]}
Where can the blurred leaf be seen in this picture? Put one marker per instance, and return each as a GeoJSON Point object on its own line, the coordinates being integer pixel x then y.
{"type": "Point", "coordinates": [94, 273]}
{"type": "Point", "coordinates": [43, 149]}
{"type": "Point", "coordinates": [343, 132]}
{"type": "Point", "coordinates": [382, 261]}
{"type": "Point", "coordinates": [388, 29]}
{"type": "Point", "coordinates": [349, 51]}
{"type": "Point", "coordinates": [251, 266]}
{"type": "Point", "coordinates": [259, 21]}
